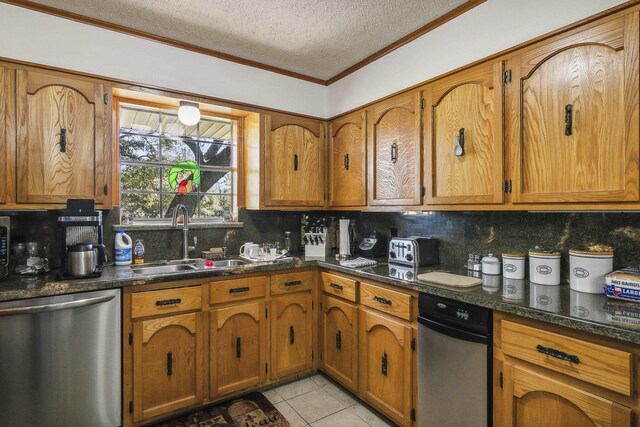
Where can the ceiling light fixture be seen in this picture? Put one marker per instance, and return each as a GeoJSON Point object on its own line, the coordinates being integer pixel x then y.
{"type": "Point", "coordinates": [189, 113]}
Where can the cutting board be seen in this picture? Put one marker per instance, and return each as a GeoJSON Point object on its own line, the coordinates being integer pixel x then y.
{"type": "Point", "coordinates": [448, 279]}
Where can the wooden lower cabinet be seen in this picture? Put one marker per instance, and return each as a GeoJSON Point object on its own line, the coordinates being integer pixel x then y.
{"type": "Point", "coordinates": [168, 362]}
{"type": "Point", "coordinates": [340, 341]}
{"type": "Point", "coordinates": [237, 348]}
{"type": "Point", "coordinates": [291, 335]}
{"type": "Point", "coordinates": [386, 365]}
{"type": "Point", "coordinates": [532, 399]}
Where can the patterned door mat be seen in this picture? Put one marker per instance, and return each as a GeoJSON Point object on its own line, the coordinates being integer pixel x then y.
{"type": "Point", "coordinates": [252, 410]}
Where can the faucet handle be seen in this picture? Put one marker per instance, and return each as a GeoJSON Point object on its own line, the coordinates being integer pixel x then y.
{"type": "Point", "coordinates": [195, 242]}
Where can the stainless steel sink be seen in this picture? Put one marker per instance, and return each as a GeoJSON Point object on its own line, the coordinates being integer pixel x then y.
{"type": "Point", "coordinates": [163, 269]}
{"type": "Point", "coordinates": [222, 263]}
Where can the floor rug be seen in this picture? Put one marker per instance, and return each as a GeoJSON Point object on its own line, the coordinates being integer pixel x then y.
{"type": "Point", "coordinates": [252, 410]}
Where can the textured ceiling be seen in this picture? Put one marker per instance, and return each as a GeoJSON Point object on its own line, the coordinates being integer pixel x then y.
{"type": "Point", "coordinates": [312, 37]}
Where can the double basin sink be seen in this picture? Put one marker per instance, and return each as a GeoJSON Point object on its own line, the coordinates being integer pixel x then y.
{"type": "Point", "coordinates": [187, 265]}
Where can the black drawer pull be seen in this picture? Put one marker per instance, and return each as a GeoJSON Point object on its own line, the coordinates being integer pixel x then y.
{"type": "Point", "coordinates": [346, 162]}
{"type": "Point", "coordinates": [558, 354]}
{"type": "Point", "coordinates": [384, 364]}
{"type": "Point", "coordinates": [63, 140]}
{"type": "Point", "coordinates": [168, 302]}
{"type": "Point", "coordinates": [238, 349]}
{"type": "Point", "coordinates": [293, 283]}
{"type": "Point", "coordinates": [382, 300]}
{"type": "Point", "coordinates": [336, 286]}
{"type": "Point", "coordinates": [292, 335]}
{"type": "Point", "coordinates": [295, 162]}
{"type": "Point", "coordinates": [238, 290]}
{"type": "Point", "coordinates": [339, 340]}
{"type": "Point", "coordinates": [394, 152]}
{"type": "Point", "coordinates": [169, 364]}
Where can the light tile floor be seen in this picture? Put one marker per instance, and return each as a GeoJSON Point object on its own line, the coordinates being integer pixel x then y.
{"type": "Point", "coordinates": [319, 402]}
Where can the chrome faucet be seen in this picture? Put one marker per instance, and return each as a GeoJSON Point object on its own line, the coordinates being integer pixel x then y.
{"type": "Point", "coordinates": [185, 229]}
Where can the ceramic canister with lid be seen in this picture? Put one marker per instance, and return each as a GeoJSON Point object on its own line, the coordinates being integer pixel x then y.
{"type": "Point", "coordinates": [490, 265]}
{"type": "Point", "coordinates": [544, 266]}
{"type": "Point", "coordinates": [513, 265]}
{"type": "Point", "coordinates": [589, 266]}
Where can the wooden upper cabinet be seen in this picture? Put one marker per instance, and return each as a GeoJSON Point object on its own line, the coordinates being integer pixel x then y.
{"type": "Point", "coordinates": [4, 131]}
{"type": "Point", "coordinates": [574, 126]}
{"type": "Point", "coordinates": [463, 137]}
{"type": "Point", "coordinates": [347, 161]}
{"type": "Point", "coordinates": [394, 151]}
{"type": "Point", "coordinates": [62, 139]}
{"type": "Point", "coordinates": [294, 161]}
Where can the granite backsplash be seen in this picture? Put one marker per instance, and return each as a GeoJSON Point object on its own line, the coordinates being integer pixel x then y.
{"type": "Point", "coordinates": [459, 232]}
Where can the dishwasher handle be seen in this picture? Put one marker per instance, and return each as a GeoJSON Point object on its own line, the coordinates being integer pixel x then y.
{"type": "Point", "coordinates": [35, 309]}
{"type": "Point", "coordinates": [452, 331]}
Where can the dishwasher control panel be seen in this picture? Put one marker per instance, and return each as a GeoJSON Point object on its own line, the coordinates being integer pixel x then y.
{"type": "Point", "coordinates": [465, 316]}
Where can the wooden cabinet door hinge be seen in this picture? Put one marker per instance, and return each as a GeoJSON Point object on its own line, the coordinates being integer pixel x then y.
{"type": "Point", "coordinates": [106, 99]}
{"type": "Point", "coordinates": [266, 313]}
{"type": "Point", "coordinates": [312, 355]}
{"type": "Point", "coordinates": [413, 344]}
{"type": "Point", "coordinates": [422, 103]}
{"type": "Point", "coordinates": [413, 414]}
{"type": "Point", "coordinates": [423, 191]}
{"type": "Point", "coordinates": [266, 368]}
{"type": "Point", "coordinates": [131, 406]}
{"type": "Point", "coordinates": [506, 76]}
{"type": "Point", "coordinates": [507, 186]}
{"type": "Point", "coordinates": [501, 379]}
{"type": "Point", "coordinates": [130, 338]}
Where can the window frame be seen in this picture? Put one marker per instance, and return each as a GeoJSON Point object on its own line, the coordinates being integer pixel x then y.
{"type": "Point", "coordinates": [237, 179]}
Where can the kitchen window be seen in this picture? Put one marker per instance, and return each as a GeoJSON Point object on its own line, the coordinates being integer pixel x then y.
{"type": "Point", "coordinates": [164, 163]}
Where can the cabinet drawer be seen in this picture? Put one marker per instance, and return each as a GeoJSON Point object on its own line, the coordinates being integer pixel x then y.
{"type": "Point", "coordinates": [291, 282]}
{"type": "Point", "coordinates": [339, 286]}
{"type": "Point", "coordinates": [387, 300]}
{"type": "Point", "coordinates": [596, 364]}
{"type": "Point", "coordinates": [237, 289]}
{"type": "Point", "coordinates": [153, 303]}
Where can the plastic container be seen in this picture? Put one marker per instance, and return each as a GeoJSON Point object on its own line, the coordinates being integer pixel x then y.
{"type": "Point", "coordinates": [123, 246]}
{"type": "Point", "coordinates": [589, 266]}
{"type": "Point", "coordinates": [138, 252]}
{"type": "Point", "coordinates": [513, 265]}
{"type": "Point", "coordinates": [544, 267]}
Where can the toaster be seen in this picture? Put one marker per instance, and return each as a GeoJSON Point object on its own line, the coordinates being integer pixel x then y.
{"type": "Point", "coordinates": [414, 251]}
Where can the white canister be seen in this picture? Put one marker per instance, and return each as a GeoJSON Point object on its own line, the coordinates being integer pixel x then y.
{"type": "Point", "coordinates": [589, 267]}
{"type": "Point", "coordinates": [491, 265]}
{"type": "Point", "coordinates": [544, 297]}
{"type": "Point", "coordinates": [513, 265]}
{"type": "Point", "coordinates": [544, 267]}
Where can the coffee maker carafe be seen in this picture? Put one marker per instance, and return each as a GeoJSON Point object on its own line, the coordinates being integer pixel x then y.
{"type": "Point", "coordinates": [81, 240]}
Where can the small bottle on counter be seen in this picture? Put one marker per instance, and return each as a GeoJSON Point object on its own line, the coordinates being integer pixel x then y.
{"type": "Point", "coordinates": [477, 264]}
{"type": "Point", "coordinates": [138, 252]}
{"type": "Point", "coordinates": [470, 262]}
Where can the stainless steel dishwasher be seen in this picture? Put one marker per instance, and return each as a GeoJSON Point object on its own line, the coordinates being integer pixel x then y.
{"type": "Point", "coordinates": [454, 364]}
{"type": "Point", "coordinates": [60, 361]}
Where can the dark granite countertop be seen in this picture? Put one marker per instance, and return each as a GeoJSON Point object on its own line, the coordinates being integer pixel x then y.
{"type": "Point", "coordinates": [558, 305]}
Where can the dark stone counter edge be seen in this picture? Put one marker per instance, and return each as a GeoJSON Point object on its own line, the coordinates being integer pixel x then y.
{"type": "Point", "coordinates": [110, 281]}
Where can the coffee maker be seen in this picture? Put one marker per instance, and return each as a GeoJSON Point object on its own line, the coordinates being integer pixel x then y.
{"type": "Point", "coordinates": [81, 240]}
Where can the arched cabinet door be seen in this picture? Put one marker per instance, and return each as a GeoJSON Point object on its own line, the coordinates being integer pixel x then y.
{"type": "Point", "coordinates": [463, 137]}
{"type": "Point", "coordinates": [386, 365]}
{"type": "Point", "coordinates": [574, 103]}
{"type": "Point", "coordinates": [168, 364]}
{"type": "Point", "coordinates": [340, 338]}
{"type": "Point", "coordinates": [347, 161]}
{"type": "Point", "coordinates": [395, 160]}
{"type": "Point", "coordinates": [62, 139]}
{"type": "Point", "coordinates": [535, 400]}
{"type": "Point", "coordinates": [293, 161]}
{"type": "Point", "coordinates": [291, 335]}
{"type": "Point", "coordinates": [237, 348]}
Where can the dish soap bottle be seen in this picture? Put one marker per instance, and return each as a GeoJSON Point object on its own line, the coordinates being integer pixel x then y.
{"type": "Point", "coordinates": [138, 252]}
{"type": "Point", "coordinates": [122, 248]}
